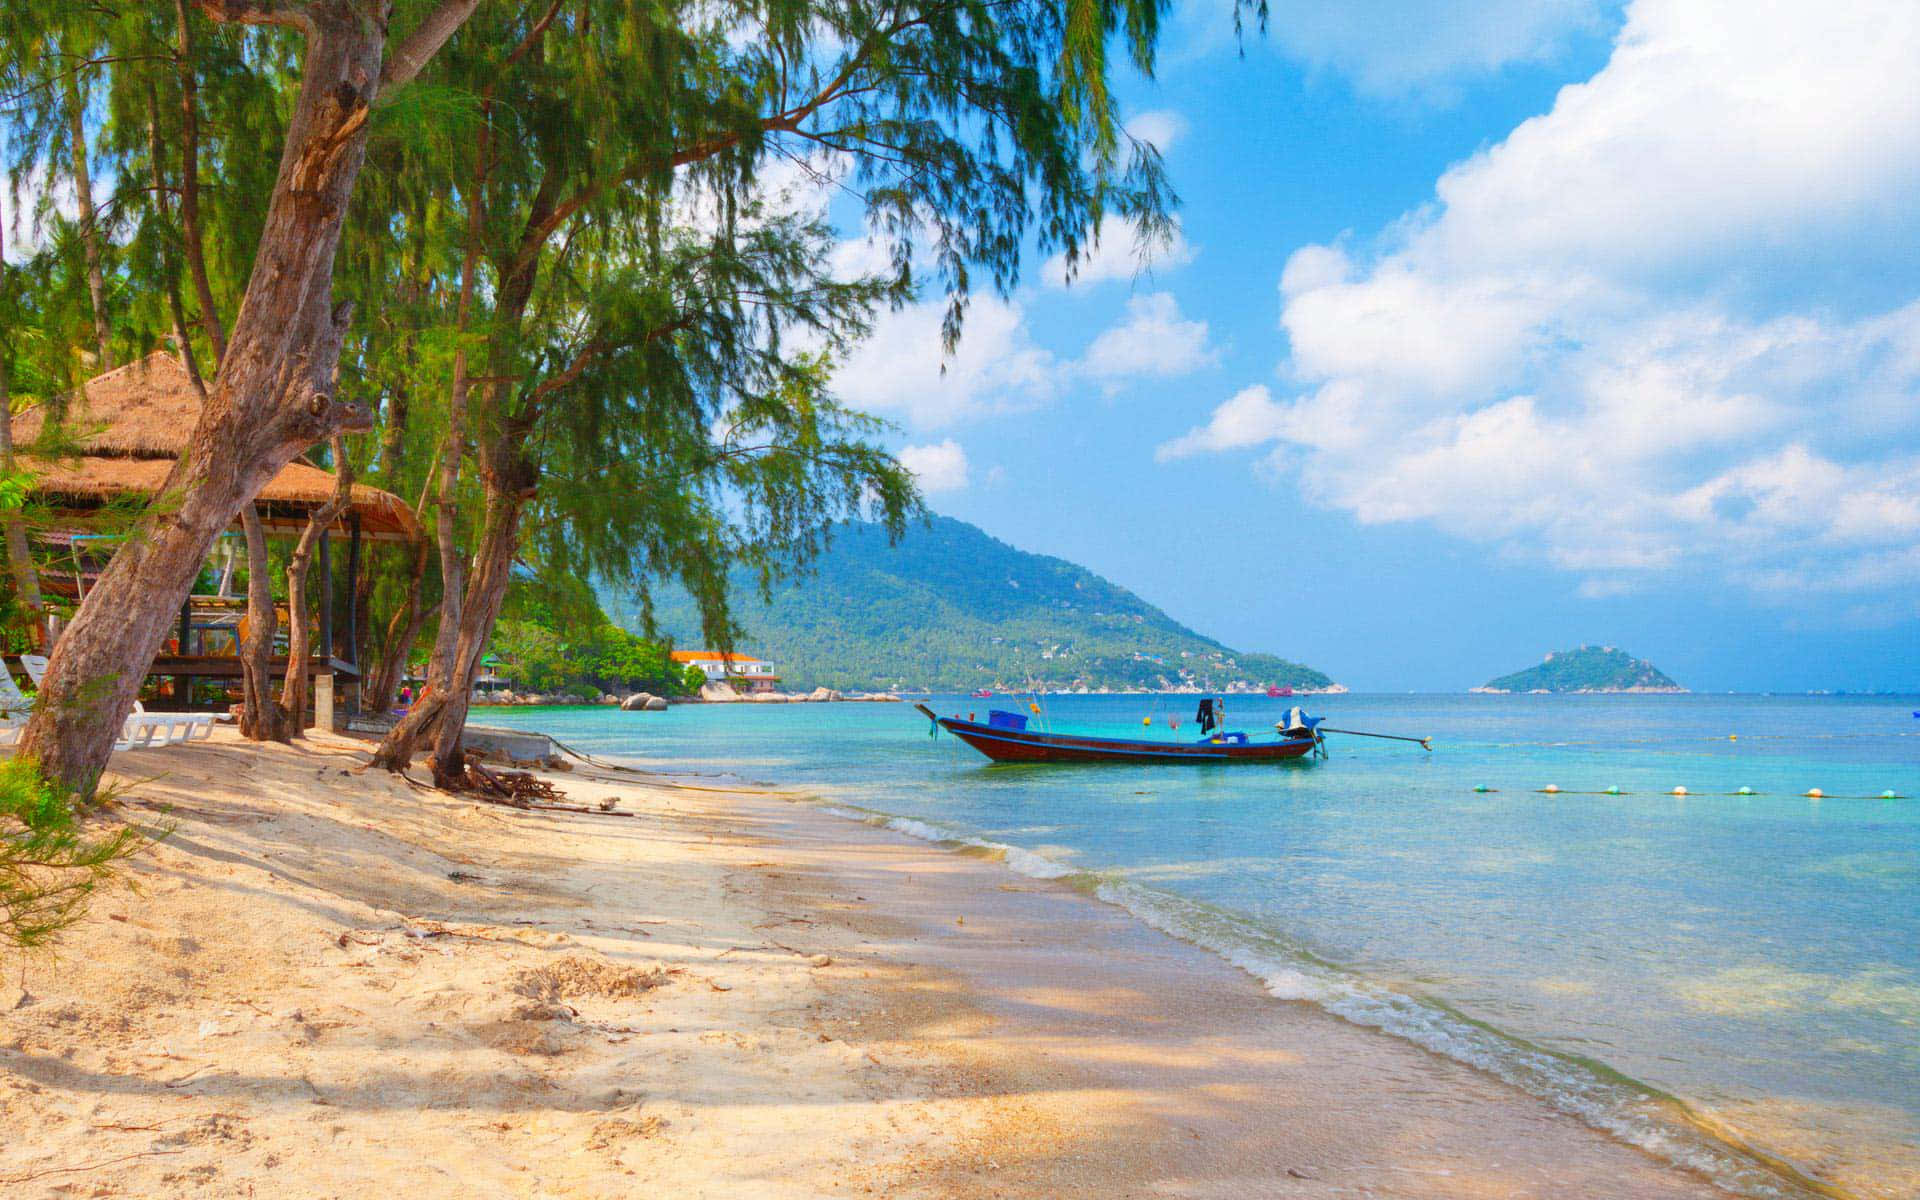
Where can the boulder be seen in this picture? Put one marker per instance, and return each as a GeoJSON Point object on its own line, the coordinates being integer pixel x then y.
{"type": "Point", "coordinates": [719, 693]}
{"type": "Point", "coordinates": [638, 702]}
{"type": "Point", "coordinates": [656, 704]}
{"type": "Point", "coordinates": [823, 694]}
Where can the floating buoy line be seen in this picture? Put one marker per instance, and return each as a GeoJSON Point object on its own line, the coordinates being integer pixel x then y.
{"type": "Point", "coordinates": [1554, 789]}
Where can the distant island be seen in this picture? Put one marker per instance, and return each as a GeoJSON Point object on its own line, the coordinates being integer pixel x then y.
{"type": "Point", "coordinates": [1586, 669]}
{"type": "Point", "coordinates": [951, 609]}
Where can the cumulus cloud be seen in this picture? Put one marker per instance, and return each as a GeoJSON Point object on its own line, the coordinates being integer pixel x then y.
{"type": "Point", "coordinates": [1669, 324]}
{"type": "Point", "coordinates": [1152, 340]}
{"type": "Point", "coordinates": [1118, 255]}
{"type": "Point", "coordinates": [939, 467]}
{"type": "Point", "coordinates": [1251, 418]}
{"type": "Point", "coordinates": [897, 372]}
{"type": "Point", "coordinates": [1390, 48]}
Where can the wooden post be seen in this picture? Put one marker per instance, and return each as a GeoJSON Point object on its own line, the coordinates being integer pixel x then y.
{"type": "Point", "coordinates": [353, 608]}
{"type": "Point", "coordinates": [326, 599]}
{"type": "Point", "coordinates": [183, 684]}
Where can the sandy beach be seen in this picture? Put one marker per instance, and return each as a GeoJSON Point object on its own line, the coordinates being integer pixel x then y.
{"type": "Point", "coordinates": [331, 983]}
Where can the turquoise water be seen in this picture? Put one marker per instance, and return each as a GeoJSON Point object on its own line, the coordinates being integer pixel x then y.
{"type": "Point", "coordinates": [1756, 958]}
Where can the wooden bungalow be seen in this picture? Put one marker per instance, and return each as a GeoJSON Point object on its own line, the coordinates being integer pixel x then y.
{"type": "Point", "coordinates": [118, 441]}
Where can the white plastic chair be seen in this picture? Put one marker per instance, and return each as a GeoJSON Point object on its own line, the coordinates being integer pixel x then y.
{"type": "Point", "coordinates": [142, 728]}
{"type": "Point", "coordinates": [15, 708]}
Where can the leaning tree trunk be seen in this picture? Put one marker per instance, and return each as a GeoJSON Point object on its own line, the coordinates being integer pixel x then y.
{"type": "Point", "coordinates": [293, 697]}
{"type": "Point", "coordinates": [260, 716]}
{"type": "Point", "coordinates": [486, 592]}
{"type": "Point", "coordinates": [272, 398]}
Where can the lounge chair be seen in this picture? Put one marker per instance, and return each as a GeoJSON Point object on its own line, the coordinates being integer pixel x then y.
{"type": "Point", "coordinates": [142, 728]}
{"type": "Point", "coordinates": [15, 708]}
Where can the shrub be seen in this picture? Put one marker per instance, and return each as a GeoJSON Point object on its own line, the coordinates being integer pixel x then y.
{"type": "Point", "coordinates": [49, 868]}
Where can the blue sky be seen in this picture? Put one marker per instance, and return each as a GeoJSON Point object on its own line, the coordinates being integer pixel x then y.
{"type": "Point", "coordinates": [1491, 330]}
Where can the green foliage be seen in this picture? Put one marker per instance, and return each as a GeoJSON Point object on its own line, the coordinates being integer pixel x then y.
{"type": "Point", "coordinates": [951, 609]}
{"type": "Point", "coordinates": [49, 866]}
{"type": "Point", "coordinates": [1586, 669]}
{"type": "Point", "coordinates": [553, 637]}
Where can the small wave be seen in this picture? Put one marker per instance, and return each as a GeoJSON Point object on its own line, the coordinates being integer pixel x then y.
{"type": "Point", "coordinates": [1634, 1112]}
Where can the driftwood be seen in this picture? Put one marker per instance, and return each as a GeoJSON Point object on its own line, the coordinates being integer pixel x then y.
{"type": "Point", "coordinates": [518, 788]}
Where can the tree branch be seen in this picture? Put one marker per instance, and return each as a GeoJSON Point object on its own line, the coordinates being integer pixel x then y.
{"type": "Point", "coordinates": [295, 14]}
{"type": "Point", "coordinates": [411, 56]}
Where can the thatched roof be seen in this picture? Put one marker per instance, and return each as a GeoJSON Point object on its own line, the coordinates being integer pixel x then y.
{"type": "Point", "coordinates": [298, 488]}
{"type": "Point", "coordinates": [146, 409]}
{"type": "Point", "coordinates": [131, 423]}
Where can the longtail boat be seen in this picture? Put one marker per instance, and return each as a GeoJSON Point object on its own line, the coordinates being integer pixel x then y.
{"type": "Point", "coordinates": [1004, 737]}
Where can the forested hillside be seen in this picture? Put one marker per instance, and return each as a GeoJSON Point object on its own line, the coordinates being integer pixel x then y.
{"type": "Point", "coordinates": [952, 609]}
{"type": "Point", "coordinates": [1586, 669]}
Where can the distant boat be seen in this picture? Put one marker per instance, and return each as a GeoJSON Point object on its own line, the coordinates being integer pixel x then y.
{"type": "Point", "coordinates": [1004, 737]}
{"type": "Point", "coordinates": [1275, 692]}
{"type": "Point", "coordinates": [982, 694]}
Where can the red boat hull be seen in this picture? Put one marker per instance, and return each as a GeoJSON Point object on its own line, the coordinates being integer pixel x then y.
{"type": "Point", "coordinates": [1009, 745]}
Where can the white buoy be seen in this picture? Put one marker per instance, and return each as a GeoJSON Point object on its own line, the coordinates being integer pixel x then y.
{"type": "Point", "coordinates": [1679, 791]}
{"type": "Point", "coordinates": [1552, 787]}
{"type": "Point", "coordinates": [1814, 793]}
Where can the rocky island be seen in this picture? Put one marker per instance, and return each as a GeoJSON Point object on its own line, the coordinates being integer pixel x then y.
{"type": "Point", "coordinates": [1585, 669]}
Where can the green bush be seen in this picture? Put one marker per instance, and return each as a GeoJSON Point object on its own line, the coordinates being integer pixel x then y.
{"type": "Point", "coordinates": [49, 868]}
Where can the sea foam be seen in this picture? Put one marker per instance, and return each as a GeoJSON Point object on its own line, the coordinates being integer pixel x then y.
{"type": "Point", "coordinates": [1637, 1114]}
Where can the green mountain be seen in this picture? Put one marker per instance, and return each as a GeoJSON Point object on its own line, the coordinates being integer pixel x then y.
{"type": "Point", "coordinates": [1586, 669]}
{"type": "Point", "coordinates": [952, 609]}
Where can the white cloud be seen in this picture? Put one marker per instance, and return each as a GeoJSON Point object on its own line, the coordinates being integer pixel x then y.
{"type": "Point", "coordinates": [940, 467]}
{"type": "Point", "coordinates": [1671, 324]}
{"type": "Point", "coordinates": [1151, 341]}
{"type": "Point", "coordinates": [1161, 127]}
{"type": "Point", "coordinates": [1251, 418]}
{"type": "Point", "coordinates": [1390, 48]}
{"type": "Point", "coordinates": [897, 372]}
{"type": "Point", "coordinates": [1119, 255]}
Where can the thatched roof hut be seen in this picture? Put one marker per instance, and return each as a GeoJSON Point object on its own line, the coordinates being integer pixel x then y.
{"type": "Point", "coordinates": [130, 424]}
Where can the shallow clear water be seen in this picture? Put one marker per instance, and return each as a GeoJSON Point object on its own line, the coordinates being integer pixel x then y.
{"type": "Point", "coordinates": [1757, 957]}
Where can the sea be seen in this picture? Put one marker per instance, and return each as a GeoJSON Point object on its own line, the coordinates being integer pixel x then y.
{"type": "Point", "coordinates": [1727, 977]}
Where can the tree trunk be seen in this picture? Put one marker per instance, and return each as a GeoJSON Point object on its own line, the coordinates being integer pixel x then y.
{"type": "Point", "coordinates": [190, 185]}
{"type": "Point", "coordinates": [89, 229]}
{"type": "Point", "coordinates": [492, 572]}
{"type": "Point", "coordinates": [273, 397]}
{"type": "Point", "coordinates": [169, 267]}
{"type": "Point", "coordinates": [260, 715]}
{"type": "Point", "coordinates": [293, 696]}
{"type": "Point", "coordinates": [395, 751]}
{"type": "Point", "coordinates": [402, 630]}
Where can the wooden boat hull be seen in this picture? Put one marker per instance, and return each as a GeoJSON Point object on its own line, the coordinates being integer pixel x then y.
{"type": "Point", "coordinates": [1024, 746]}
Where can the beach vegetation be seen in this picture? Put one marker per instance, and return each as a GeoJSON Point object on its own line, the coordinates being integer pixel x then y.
{"type": "Point", "coordinates": [557, 273]}
{"type": "Point", "coordinates": [50, 864]}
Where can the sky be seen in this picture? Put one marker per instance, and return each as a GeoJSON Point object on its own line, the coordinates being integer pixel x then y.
{"type": "Point", "coordinates": [1490, 330]}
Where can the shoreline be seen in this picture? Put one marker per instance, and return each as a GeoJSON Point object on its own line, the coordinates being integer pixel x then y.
{"type": "Point", "coordinates": [727, 993]}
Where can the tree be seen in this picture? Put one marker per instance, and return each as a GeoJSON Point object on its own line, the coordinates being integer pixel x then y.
{"type": "Point", "coordinates": [274, 393]}
{"type": "Point", "coordinates": [616, 322]}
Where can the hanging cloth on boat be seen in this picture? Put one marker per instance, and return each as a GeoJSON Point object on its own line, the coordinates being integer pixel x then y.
{"type": "Point", "coordinates": [1205, 716]}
